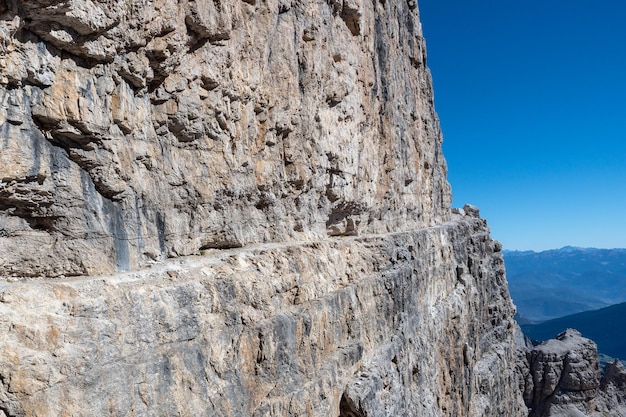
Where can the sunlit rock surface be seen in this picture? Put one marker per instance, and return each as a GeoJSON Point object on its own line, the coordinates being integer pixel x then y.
{"type": "Point", "coordinates": [237, 209]}
{"type": "Point", "coordinates": [136, 130]}
{"type": "Point", "coordinates": [562, 379]}
{"type": "Point", "coordinates": [406, 324]}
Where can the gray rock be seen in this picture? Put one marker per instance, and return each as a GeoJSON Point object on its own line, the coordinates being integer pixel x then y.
{"type": "Point", "coordinates": [357, 326]}
{"type": "Point", "coordinates": [562, 378]}
{"type": "Point", "coordinates": [237, 209]}
{"type": "Point", "coordinates": [614, 374]}
{"type": "Point", "coordinates": [134, 131]}
{"type": "Point", "coordinates": [613, 389]}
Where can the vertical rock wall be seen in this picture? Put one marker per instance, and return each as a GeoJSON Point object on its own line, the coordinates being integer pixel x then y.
{"type": "Point", "coordinates": [287, 155]}
{"type": "Point", "coordinates": [135, 130]}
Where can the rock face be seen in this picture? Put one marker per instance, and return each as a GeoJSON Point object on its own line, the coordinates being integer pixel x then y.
{"type": "Point", "coordinates": [563, 379]}
{"type": "Point", "coordinates": [277, 165]}
{"type": "Point", "coordinates": [135, 130]}
{"type": "Point", "coordinates": [406, 324]}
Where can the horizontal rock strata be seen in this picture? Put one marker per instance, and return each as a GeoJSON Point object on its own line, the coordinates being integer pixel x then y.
{"type": "Point", "coordinates": [406, 324]}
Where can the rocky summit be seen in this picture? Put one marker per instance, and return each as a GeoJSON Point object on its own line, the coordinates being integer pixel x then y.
{"type": "Point", "coordinates": [238, 209]}
{"type": "Point", "coordinates": [561, 378]}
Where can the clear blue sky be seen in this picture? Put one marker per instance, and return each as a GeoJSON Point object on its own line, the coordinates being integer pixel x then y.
{"type": "Point", "coordinates": [532, 100]}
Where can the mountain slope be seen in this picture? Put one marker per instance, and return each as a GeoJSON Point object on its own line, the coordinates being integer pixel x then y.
{"type": "Point", "coordinates": [604, 326]}
{"type": "Point", "coordinates": [555, 283]}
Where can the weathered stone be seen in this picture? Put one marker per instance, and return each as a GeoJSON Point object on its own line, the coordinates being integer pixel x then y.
{"type": "Point", "coordinates": [365, 326]}
{"type": "Point", "coordinates": [251, 201]}
{"type": "Point", "coordinates": [207, 124]}
{"type": "Point", "coordinates": [561, 377]}
{"type": "Point", "coordinates": [613, 389]}
{"type": "Point", "coordinates": [614, 374]}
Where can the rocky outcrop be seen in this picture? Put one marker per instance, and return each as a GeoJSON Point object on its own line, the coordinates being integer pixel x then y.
{"type": "Point", "coordinates": [407, 324]}
{"type": "Point", "coordinates": [136, 130]}
{"type": "Point", "coordinates": [562, 378]}
{"type": "Point", "coordinates": [237, 209]}
{"type": "Point", "coordinates": [613, 388]}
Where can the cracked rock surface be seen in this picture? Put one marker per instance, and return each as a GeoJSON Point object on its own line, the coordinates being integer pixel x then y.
{"type": "Point", "coordinates": [237, 208]}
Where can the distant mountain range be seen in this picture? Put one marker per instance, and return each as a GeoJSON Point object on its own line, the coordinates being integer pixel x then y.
{"type": "Point", "coordinates": [604, 326]}
{"type": "Point", "coordinates": [555, 283]}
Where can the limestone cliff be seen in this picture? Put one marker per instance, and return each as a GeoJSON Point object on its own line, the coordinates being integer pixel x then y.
{"type": "Point", "coordinates": [237, 209]}
{"type": "Point", "coordinates": [135, 130]}
{"type": "Point", "coordinates": [407, 324]}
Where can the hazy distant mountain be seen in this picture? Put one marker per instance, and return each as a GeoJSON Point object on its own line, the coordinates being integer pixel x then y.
{"type": "Point", "coordinates": [604, 326]}
{"type": "Point", "coordinates": [559, 282]}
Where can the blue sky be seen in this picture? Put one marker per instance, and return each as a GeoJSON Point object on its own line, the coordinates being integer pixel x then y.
{"type": "Point", "coordinates": [532, 101]}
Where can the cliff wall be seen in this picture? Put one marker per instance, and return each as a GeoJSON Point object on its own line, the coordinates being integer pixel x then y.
{"type": "Point", "coordinates": [136, 130]}
{"type": "Point", "coordinates": [237, 209]}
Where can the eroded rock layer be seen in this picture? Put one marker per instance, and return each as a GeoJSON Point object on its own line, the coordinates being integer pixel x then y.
{"type": "Point", "coordinates": [140, 129]}
{"type": "Point", "coordinates": [406, 324]}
